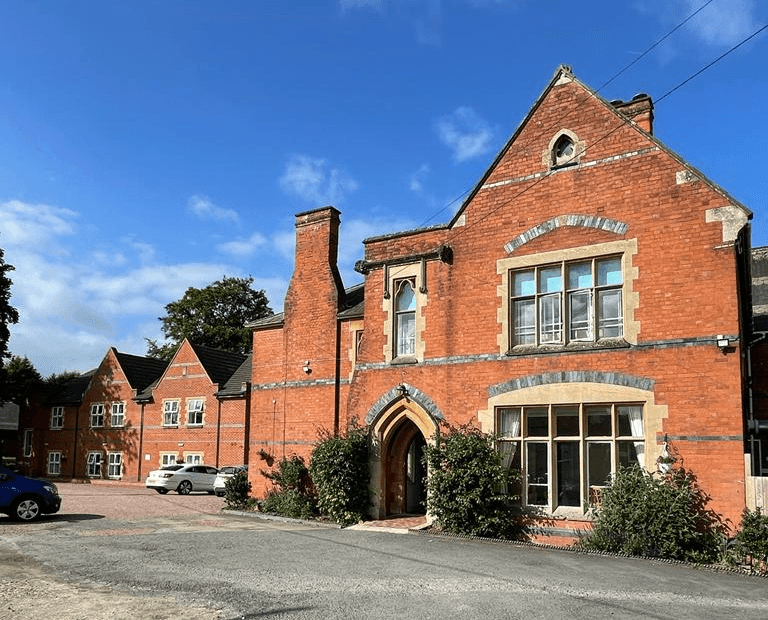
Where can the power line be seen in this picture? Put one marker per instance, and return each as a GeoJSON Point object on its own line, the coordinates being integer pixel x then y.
{"type": "Point", "coordinates": [578, 103]}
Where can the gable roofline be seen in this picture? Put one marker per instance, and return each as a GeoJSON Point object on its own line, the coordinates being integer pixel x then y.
{"type": "Point", "coordinates": [564, 71]}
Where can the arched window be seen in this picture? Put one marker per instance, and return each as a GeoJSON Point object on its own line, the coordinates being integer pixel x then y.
{"type": "Point", "coordinates": [564, 151]}
{"type": "Point", "coordinates": [405, 319]}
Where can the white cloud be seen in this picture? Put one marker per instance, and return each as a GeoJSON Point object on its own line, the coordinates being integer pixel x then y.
{"type": "Point", "coordinates": [202, 207]}
{"type": "Point", "coordinates": [718, 24]}
{"type": "Point", "coordinates": [32, 225]}
{"type": "Point", "coordinates": [465, 133]}
{"type": "Point", "coordinates": [351, 4]}
{"type": "Point", "coordinates": [71, 311]}
{"type": "Point", "coordinates": [417, 178]}
{"type": "Point", "coordinates": [315, 181]}
{"type": "Point", "coordinates": [242, 248]}
{"type": "Point", "coordinates": [285, 244]}
{"type": "Point", "coordinates": [721, 23]}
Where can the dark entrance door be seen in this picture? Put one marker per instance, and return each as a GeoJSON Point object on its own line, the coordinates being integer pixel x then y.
{"type": "Point", "coordinates": [415, 492]}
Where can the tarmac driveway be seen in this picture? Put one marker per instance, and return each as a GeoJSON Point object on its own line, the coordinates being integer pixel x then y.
{"type": "Point", "coordinates": [156, 557]}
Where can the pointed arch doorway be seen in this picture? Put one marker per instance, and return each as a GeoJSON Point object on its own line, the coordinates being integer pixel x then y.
{"type": "Point", "coordinates": [401, 434]}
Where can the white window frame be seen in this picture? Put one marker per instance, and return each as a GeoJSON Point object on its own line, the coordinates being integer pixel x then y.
{"type": "Point", "coordinates": [405, 330]}
{"type": "Point", "coordinates": [114, 465]}
{"type": "Point", "coordinates": [542, 298]}
{"type": "Point", "coordinates": [171, 413]}
{"type": "Point", "coordinates": [93, 464]}
{"type": "Point", "coordinates": [54, 463]}
{"type": "Point", "coordinates": [27, 443]}
{"type": "Point", "coordinates": [97, 415]}
{"type": "Point", "coordinates": [117, 418]}
{"type": "Point", "coordinates": [193, 458]}
{"type": "Point", "coordinates": [519, 445]}
{"type": "Point", "coordinates": [167, 459]}
{"type": "Point", "coordinates": [195, 411]}
{"type": "Point", "coordinates": [57, 418]}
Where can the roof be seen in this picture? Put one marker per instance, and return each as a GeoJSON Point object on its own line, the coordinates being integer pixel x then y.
{"type": "Point", "coordinates": [69, 392]}
{"type": "Point", "coordinates": [564, 71]}
{"type": "Point", "coordinates": [140, 371]}
{"type": "Point", "coordinates": [234, 387]}
{"type": "Point", "coordinates": [354, 302]}
{"type": "Point", "coordinates": [273, 320]}
{"type": "Point", "coordinates": [219, 365]}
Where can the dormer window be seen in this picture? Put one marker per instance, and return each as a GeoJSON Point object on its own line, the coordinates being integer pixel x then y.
{"type": "Point", "coordinates": [564, 151]}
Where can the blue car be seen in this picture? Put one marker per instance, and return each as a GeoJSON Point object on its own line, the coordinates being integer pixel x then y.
{"type": "Point", "coordinates": [25, 499]}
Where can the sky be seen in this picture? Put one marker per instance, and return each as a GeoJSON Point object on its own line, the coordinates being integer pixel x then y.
{"type": "Point", "coordinates": [151, 146]}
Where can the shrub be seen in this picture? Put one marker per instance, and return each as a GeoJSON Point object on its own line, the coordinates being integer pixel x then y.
{"type": "Point", "coordinates": [466, 482]}
{"type": "Point", "coordinates": [751, 542]}
{"type": "Point", "coordinates": [293, 495]}
{"type": "Point", "coordinates": [340, 472]}
{"type": "Point", "coordinates": [665, 517]}
{"type": "Point", "coordinates": [237, 492]}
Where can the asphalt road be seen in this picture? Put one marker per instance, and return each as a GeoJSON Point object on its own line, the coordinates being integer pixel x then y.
{"type": "Point", "coordinates": [121, 546]}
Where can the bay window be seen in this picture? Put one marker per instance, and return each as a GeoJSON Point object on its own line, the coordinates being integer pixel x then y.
{"type": "Point", "coordinates": [567, 452]}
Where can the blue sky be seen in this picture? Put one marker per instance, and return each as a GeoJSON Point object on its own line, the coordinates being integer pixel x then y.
{"type": "Point", "coordinates": [152, 146]}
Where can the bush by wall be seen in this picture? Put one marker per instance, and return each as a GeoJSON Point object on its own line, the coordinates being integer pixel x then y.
{"type": "Point", "coordinates": [340, 472]}
{"type": "Point", "coordinates": [237, 492]}
{"type": "Point", "coordinates": [750, 546]}
{"type": "Point", "coordinates": [293, 495]}
{"type": "Point", "coordinates": [646, 515]}
{"type": "Point", "coordinates": [466, 482]}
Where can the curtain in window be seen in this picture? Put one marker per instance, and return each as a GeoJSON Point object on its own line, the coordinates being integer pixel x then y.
{"type": "Point", "coordinates": [509, 420]}
{"type": "Point", "coordinates": [636, 422]}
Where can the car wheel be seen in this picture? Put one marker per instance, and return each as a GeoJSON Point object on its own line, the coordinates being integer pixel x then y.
{"type": "Point", "coordinates": [210, 492]}
{"type": "Point", "coordinates": [184, 487]}
{"type": "Point", "coordinates": [219, 494]}
{"type": "Point", "coordinates": [162, 491]}
{"type": "Point", "coordinates": [25, 509]}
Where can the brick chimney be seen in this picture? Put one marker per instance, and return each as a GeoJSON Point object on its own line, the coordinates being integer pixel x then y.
{"type": "Point", "coordinates": [639, 109]}
{"type": "Point", "coordinates": [316, 291]}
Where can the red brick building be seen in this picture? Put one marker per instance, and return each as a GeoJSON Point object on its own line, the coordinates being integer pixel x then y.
{"type": "Point", "coordinates": [589, 302]}
{"type": "Point", "coordinates": [133, 414]}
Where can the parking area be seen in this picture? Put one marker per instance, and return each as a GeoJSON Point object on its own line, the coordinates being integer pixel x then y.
{"type": "Point", "coordinates": [126, 501]}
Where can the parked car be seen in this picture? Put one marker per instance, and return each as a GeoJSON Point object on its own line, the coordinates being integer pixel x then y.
{"type": "Point", "coordinates": [225, 473]}
{"type": "Point", "coordinates": [25, 499]}
{"type": "Point", "coordinates": [182, 478]}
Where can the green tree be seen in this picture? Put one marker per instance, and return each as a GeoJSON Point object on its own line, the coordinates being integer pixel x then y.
{"type": "Point", "coordinates": [22, 377]}
{"type": "Point", "coordinates": [214, 316]}
{"type": "Point", "coordinates": [8, 316]}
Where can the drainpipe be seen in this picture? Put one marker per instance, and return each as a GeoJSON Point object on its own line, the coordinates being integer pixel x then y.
{"type": "Point", "coordinates": [754, 426]}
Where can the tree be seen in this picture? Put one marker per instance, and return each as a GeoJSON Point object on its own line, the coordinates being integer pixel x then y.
{"type": "Point", "coordinates": [21, 377]}
{"type": "Point", "coordinates": [214, 316]}
{"type": "Point", "coordinates": [8, 316]}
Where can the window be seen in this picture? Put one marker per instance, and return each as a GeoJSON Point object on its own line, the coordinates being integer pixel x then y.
{"type": "Point", "coordinates": [97, 415]}
{"type": "Point", "coordinates": [171, 413]}
{"type": "Point", "coordinates": [578, 301]}
{"type": "Point", "coordinates": [193, 458]}
{"type": "Point", "coordinates": [57, 417]}
{"type": "Point", "coordinates": [564, 151]}
{"type": "Point", "coordinates": [405, 319]}
{"type": "Point", "coordinates": [114, 464]}
{"type": "Point", "coordinates": [195, 412]}
{"type": "Point", "coordinates": [167, 459]}
{"type": "Point", "coordinates": [54, 463]}
{"type": "Point", "coordinates": [567, 453]}
{"type": "Point", "coordinates": [118, 414]}
{"type": "Point", "coordinates": [94, 464]}
{"type": "Point", "coordinates": [27, 442]}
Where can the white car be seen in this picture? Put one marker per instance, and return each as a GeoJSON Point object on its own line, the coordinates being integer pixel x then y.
{"type": "Point", "coordinates": [182, 478]}
{"type": "Point", "coordinates": [225, 473]}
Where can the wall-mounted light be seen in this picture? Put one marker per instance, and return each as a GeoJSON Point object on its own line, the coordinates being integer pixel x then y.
{"type": "Point", "coordinates": [181, 443]}
{"type": "Point", "coordinates": [307, 368]}
{"type": "Point", "coordinates": [402, 389]}
{"type": "Point", "coordinates": [723, 342]}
